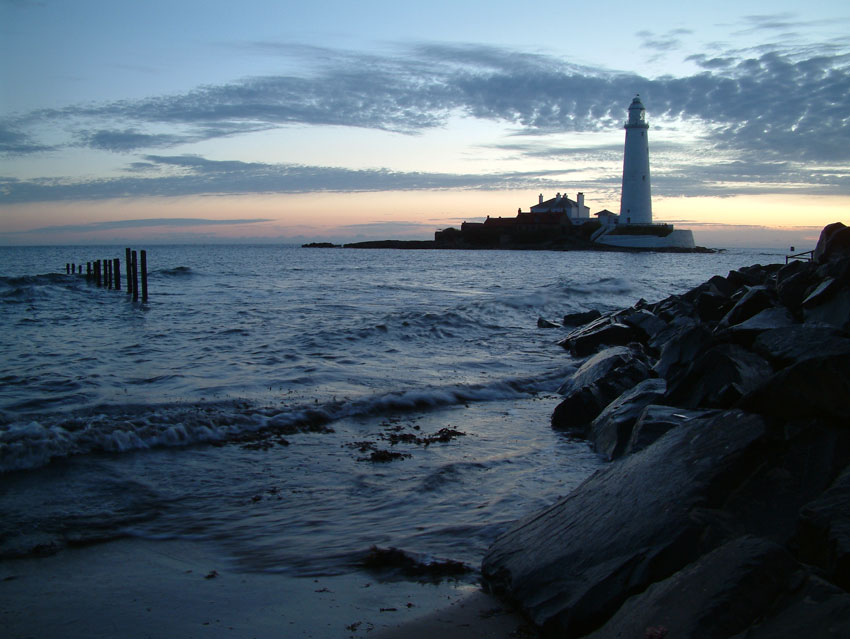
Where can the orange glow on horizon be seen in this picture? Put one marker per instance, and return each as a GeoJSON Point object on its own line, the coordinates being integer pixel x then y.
{"type": "Point", "coordinates": [402, 214]}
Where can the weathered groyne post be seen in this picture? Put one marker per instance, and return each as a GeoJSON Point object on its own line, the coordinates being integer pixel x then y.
{"type": "Point", "coordinates": [106, 273]}
{"type": "Point", "coordinates": [129, 271]}
{"type": "Point", "coordinates": [135, 279]}
{"type": "Point", "coordinates": [116, 267]}
{"type": "Point", "coordinates": [144, 258]}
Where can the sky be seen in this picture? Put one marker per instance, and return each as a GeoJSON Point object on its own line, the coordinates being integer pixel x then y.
{"type": "Point", "coordinates": [277, 121]}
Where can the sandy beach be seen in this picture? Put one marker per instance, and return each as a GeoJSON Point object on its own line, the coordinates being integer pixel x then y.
{"type": "Point", "coordinates": [138, 589]}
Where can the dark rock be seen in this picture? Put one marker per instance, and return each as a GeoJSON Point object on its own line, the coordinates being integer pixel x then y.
{"type": "Point", "coordinates": [794, 267]}
{"type": "Point", "coordinates": [424, 568]}
{"type": "Point", "coordinates": [711, 307]}
{"type": "Point", "coordinates": [644, 321]}
{"type": "Point", "coordinates": [542, 323]}
{"type": "Point", "coordinates": [823, 534]}
{"type": "Point", "coordinates": [817, 609]}
{"type": "Point", "coordinates": [685, 342]}
{"type": "Point", "coordinates": [800, 342]}
{"type": "Point", "coordinates": [655, 420]}
{"type": "Point", "coordinates": [755, 300]}
{"type": "Point", "coordinates": [801, 462]}
{"type": "Point", "coordinates": [600, 380]}
{"type": "Point", "coordinates": [755, 275]}
{"type": "Point", "coordinates": [603, 332]}
{"type": "Point", "coordinates": [571, 566]}
{"type": "Point", "coordinates": [672, 308]}
{"type": "Point", "coordinates": [815, 387]}
{"type": "Point", "coordinates": [717, 286]}
{"type": "Point", "coordinates": [769, 318]}
{"type": "Point", "coordinates": [577, 319]}
{"type": "Point", "coordinates": [718, 378]}
{"type": "Point", "coordinates": [834, 243]}
{"type": "Point", "coordinates": [821, 293]}
{"type": "Point", "coordinates": [835, 312]}
{"type": "Point", "coordinates": [612, 429]}
{"type": "Point", "coordinates": [321, 245]}
{"type": "Point", "coordinates": [575, 412]}
{"type": "Point", "coordinates": [720, 595]}
{"type": "Point", "coordinates": [793, 290]}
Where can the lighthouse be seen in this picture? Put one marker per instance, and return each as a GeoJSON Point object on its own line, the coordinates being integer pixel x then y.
{"type": "Point", "coordinates": [635, 198]}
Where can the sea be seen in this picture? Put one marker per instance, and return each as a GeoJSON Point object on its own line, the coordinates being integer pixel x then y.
{"type": "Point", "coordinates": [299, 407]}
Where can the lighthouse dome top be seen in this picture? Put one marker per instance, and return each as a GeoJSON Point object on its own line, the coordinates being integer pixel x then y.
{"type": "Point", "coordinates": [637, 114]}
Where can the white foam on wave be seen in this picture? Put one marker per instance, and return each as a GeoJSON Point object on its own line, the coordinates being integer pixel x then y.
{"type": "Point", "coordinates": [32, 444]}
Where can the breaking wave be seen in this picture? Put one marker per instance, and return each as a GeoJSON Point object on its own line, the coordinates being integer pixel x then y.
{"type": "Point", "coordinates": [27, 445]}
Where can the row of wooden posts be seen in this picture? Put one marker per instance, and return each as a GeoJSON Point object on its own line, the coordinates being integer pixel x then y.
{"type": "Point", "coordinates": [107, 273]}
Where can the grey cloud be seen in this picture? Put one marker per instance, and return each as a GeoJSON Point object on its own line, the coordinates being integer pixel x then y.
{"type": "Point", "coordinates": [774, 104]}
{"type": "Point", "coordinates": [199, 176]}
{"type": "Point", "coordinates": [16, 142]}
{"type": "Point", "coordinates": [127, 140]}
{"type": "Point", "coordinates": [771, 101]}
{"type": "Point", "coordinates": [663, 42]}
{"type": "Point", "coordinates": [140, 223]}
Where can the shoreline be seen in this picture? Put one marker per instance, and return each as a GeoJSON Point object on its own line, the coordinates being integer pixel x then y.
{"type": "Point", "coordinates": [138, 588]}
{"type": "Point", "coordinates": [573, 245]}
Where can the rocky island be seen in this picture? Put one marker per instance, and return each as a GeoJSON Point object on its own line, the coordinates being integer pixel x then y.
{"type": "Point", "coordinates": [725, 509]}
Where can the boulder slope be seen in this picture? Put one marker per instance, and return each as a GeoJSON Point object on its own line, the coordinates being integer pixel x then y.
{"type": "Point", "coordinates": [725, 512]}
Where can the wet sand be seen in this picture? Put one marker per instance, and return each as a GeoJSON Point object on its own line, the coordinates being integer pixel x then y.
{"type": "Point", "coordinates": [137, 589]}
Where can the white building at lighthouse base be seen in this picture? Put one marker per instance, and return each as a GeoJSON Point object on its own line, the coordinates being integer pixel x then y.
{"type": "Point", "coordinates": [675, 239]}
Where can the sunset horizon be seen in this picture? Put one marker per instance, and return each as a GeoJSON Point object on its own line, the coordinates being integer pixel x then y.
{"type": "Point", "coordinates": [286, 126]}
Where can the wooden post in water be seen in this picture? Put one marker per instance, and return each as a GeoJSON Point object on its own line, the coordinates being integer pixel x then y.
{"type": "Point", "coordinates": [88, 271]}
{"type": "Point", "coordinates": [97, 273]}
{"type": "Point", "coordinates": [80, 267]}
{"type": "Point", "coordinates": [129, 271]}
{"type": "Point", "coordinates": [67, 268]}
{"type": "Point", "coordinates": [135, 279]}
{"type": "Point", "coordinates": [107, 270]}
{"type": "Point", "coordinates": [116, 267]}
{"type": "Point", "coordinates": [144, 257]}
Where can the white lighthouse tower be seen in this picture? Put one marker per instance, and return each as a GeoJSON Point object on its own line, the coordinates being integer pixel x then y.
{"type": "Point", "coordinates": [635, 198]}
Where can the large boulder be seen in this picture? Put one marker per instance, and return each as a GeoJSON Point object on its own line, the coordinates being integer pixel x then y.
{"type": "Point", "coordinates": [817, 387]}
{"type": "Point", "coordinates": [611, 431]}
{"type": "Point", "coordinates": [720, 595]}
{"type": "Point", "coordinates": [834, 311]}
{"type": "Point", "coordinates": [581, 318]}
{"type": "Point", "coordinates": [793, 282]}
{"type": "Point", "coordinates": [790, 344]}
{"type": "Point", "coordinates": [655, 420]}
{"type": "Point", "coordinates": [834, 243]}
{"type": "Point", "coordinates": [754, 300]}
{"type": "Point", "coordinates": [634, 523]}
{"type": "Point", "coordinates": [823, 534]}
{"type": "Point", "coordinates": [816, 609]}
{"type": "Point", "coordinates": [718, 378]}
{"type": "Point", "coordinates": [598, 381]}
{"type": "Point", "coordinates": [683, 340]}
{"type": "Point", "coordinates": [604, 331]}
{"type": "Point", "coordinates": [644, 321]}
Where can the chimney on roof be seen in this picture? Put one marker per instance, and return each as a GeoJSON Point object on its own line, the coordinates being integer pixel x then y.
{"type": "Point", "coordinates": [557, 196]}
{"type": "Point", "coordinates": [580, 198]}
{"type": "Point", "coordinates": [540, 200]}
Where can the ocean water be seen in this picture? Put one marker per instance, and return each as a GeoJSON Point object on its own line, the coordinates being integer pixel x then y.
{"type": "Point", "coordinates": [242, 404]}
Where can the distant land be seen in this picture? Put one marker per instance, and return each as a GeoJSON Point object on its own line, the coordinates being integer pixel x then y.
{"type": "Point", "coordinates": [573, 242]}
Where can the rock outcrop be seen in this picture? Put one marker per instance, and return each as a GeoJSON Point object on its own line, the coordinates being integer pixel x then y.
{"type": "Point", "coordinates": [726, 508]}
